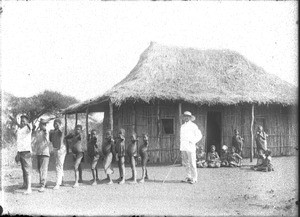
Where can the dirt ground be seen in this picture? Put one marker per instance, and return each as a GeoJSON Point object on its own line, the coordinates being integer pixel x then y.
{"type": "Point", "coordinates": [221, 191]}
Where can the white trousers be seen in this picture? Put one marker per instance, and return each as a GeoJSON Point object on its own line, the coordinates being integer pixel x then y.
{"type": "Point", "coordinates": [59, 155]}
{"type": "Point", "coordinates": [189, 161]}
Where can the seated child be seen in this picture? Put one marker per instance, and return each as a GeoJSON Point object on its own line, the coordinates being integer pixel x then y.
{"type": "Point", "coordinates": [224, 156]}
{"type": "Point", "coordinates": [132, 152]}
{"type": "Point", "coordinates": [120, 154]}
{"type": "Point", "coordinates": [266, 166]}
{"type": "Point", "coordinates": [144, 157]}
{"type": "Point", "coordinates": [213, 158]}
{"type": "Point", "coordinates": [201, 158]}
{"type": "Point", "coordinates": [108, 150]}
{"type": "Point", "coordinates": [78, 153]}
{"type": "Point", "coordinates": [234, 158]}
{"type": "Point", "coordinates": [94, 155]}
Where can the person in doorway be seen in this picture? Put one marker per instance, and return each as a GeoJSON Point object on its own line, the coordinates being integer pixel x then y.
{"type": "Point", "coordinates": [41, 144]}
{"type": "Point", "coordinates": [94, 155]}
{"type": "Point", "coordinates": [213, 158]}
{"type": "Point", "coordinates": [23, 134]}
{"type": "Point", "coordinates": [144, 157]}
{"type": "Point", "coordinates": [120, 155]}
{"type": "Point", "coordinates": [78, 153]}
{"type": "Point", "coordinates": [108, 150]}
{"type": "Point", "coordinates": [237, 142]}
{"type": "Point", "coordinates": [261, 144]}
{"type": "Point", "coordinates": [132, 152]}
{"type": "Point", "coordinates": [189, 136]}
{"type": "Point", "coordinates": [56, 137]}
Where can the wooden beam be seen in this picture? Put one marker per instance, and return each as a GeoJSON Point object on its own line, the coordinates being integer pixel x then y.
{"type": "Point", "coordinates": [87, 124]}
{"type": "Point", "coordinates": [158, 129]}
{"type": "Point", "coordinates": [252, 134]}
{"type": "Point", "coordinates": [66, 125]}
{"type": "Point", "coordinates": [179, 126]}
{"type": "Point", "coordinates": [179, 113]}
{"type": "Point", "coordinates": [134, 119]}
{"type": "Point", "coordinates": [76, 119]}
{"type": "Point", "coordinates": [111, 120]}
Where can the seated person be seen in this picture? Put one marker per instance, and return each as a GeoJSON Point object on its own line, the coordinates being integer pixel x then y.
{"type": "Point", "coordinates": [234, 158]}
{"type": "Point", "coordinates": [213, 159]}
{"type": "Point", "coordinates": [266, 166]}
{"type": "Point", "coordinates": [224, 156]}
{"type": "Point", "coordinates": [201, 158]}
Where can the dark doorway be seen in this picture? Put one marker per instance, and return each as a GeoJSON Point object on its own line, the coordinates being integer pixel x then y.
{"type": "Point", "coordinates": [213, 130]}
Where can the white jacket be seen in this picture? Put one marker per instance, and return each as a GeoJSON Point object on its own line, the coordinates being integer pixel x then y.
{"type": "Point", "coordinates": [189, 136]}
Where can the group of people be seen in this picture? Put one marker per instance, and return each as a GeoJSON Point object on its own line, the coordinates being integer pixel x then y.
{"type": "Point", "coordinates": [39, 139]}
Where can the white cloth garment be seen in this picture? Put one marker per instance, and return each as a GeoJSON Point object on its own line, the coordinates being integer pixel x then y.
{"type": "Point", "coordinates": [24, 139]}
{"type": "Point", "coordinates": [189, 136]}
{"type": "Point", "coordinates": [59, 155]}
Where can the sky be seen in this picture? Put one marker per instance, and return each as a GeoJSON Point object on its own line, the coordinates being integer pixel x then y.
{"type": "Point", "coordinates": [83, 48]}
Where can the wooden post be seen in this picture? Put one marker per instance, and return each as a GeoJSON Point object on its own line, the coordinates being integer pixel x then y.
{"type": "Point", "coordinates": [66, 132]}
{"type": "Point", "coordinates": [111, 111]}
{"type": "Point", "coordinates": [158, 131]}
{"type": "Point", "coordinates": [76, 119]}
{"type": "Point", "coordinates": [180, 123]}
{"type": "Point", "coordinates": [252, 134]}
{"type": "Point", "coordinates": [134, 119]}
{"type": "Point", "coordinates": [87, 123]}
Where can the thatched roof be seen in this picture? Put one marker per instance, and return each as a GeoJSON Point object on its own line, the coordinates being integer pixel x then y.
{"type": "Point", "coordinates": [198, 76]}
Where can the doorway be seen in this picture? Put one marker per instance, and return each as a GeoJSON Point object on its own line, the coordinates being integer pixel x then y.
{"type": "Point", "coordinates": [213, 130]}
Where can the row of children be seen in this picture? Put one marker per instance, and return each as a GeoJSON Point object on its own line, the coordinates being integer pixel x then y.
{"type": "Point", "coordinates": [40, 141]}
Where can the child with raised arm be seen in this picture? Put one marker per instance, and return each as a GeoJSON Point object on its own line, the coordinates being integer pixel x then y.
{"type": "Point", "coordinates": [201, 158]}
{"type": "Point", "coordinates": [132, 152]}
{"type": "Point", "coordinates": [213, 158]}
{"type": "Point", "coordinates": [56, 137]}
{"type": "Point", "coordinates": [120, 154]}
{"type": "Point", "coordinates": [234, 158]}
{"type": "Point", "coordinates": [108, 150]}
{"type": "Point", "coordinates": [41, 145]}
{"type": "Point", "coordinates": [94, 155]}
{"type": "Point", "coordinates": [144, 157]}
{"type": "Point", "coordinates": [23, 133]}
{"type": "Point", "coordinates": [78, 153]}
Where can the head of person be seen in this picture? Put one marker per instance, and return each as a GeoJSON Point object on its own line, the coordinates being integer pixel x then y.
{"type": "Point", "coordinates": [133, 137]}
{"type": "Point", "coordinates": [57, 124]}
{"type": "Point", "coordinates": [78, 129]}
{"type": "Point", "coordinates": [213, 148]}
{"type": "Point", "coordinates": [24, 120]}
{"type": "Point", "coordinates": [236, 132]}
{"type": "Point", "coordinates": [201, 149]}
{"type": "Point", "coordinates": [145, 137]}
{"type": "Point", "coordinates": [93, 134]}
{"type": "Point", "coordinates": [260, 128]}
{"type": "Point", "coordinates": [224, 148]}
{"type": "Point", "coordinates": [108, 134]}
{"type": "Point", "coordinates": [232, 149]}
{"type": "Point", "coordinates": [121, 132]}
{"type": "Point", "coordinates": [187, 116]}
{"type": "Point", "coordinates": [42, 124]}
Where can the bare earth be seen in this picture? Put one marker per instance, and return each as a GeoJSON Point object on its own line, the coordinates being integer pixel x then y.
{"type": "Point", "coordinates": [222, 191]}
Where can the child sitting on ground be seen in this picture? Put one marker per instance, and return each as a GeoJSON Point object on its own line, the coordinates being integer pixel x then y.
{"type": "Point", "coordinates": [144, 157]}
{"type": "Point", "coordinates": [266, 166]}
{"type": "Point", "coordinates": [224, 156]}
{"type": "Point", "coordinates": [120, 154]}
{"type": "Point", "coordinates": [108, 150]}
{"type": "Point", "coordinates": [201, 158]}
{"type": "Point", "coordinates": [78, 153]}
{"type": "Point", "coordinates": [94, 155]}
{"type": "Point", "coordinates": [132, 152]}
{"type": "Point", "coordinates": [234, 158]}
{"type": "Point", "coordinates": [213, 158]}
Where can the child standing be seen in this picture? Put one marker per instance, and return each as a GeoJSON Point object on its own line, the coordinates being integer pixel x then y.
{"type": "Point", "coordinates": [234, 158]}
{"type": "Point", "coordinates": [224, 156]}
{"type": "Point", "coordinates": [132, 152]}
{"type": "Point", "coordinates": [213, 158]}
{"type": "Point", "coordinates": [261, 144]}
{"type": "Point", "coordinates": [56, 137]}
{"type": "Point", "coordinates": [144, 156]}
{"type": "Point", "coordinates": [41, 144]}
{"type": "Point", "coordinates": [120, 154]}
{"type": "Point", "coordinates": [108, 150]}
{"type": "Point", "coordinates": [237, 142]}
{"type": "Point", "coordinates": [78, 153]}
{"type": "Point", "coordinates": [201, 158]}
{"type": "Point", "coordinates": [23, 134]}
{"type": "Point", "coordinates": [94, 154]}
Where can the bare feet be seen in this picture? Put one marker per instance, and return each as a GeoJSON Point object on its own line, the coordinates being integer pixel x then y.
{"type": "Point", "coordinates": [75, 185]}
{"type": "Point", "coordinates": [56, 187]}
{"type": "Point", "coordinates": [94, 183]}
{"type": "Point", "coordinates": [42, 189]}
{"type": "Point", "coordinates": [133, 182]}
{"type": "Point", "coordinates": [28, 191]}
{"type": "Point", "coordinates": [122, 182]}
{"type": "Point", "coordinates": [142, 181]}
{"type": "Point", "coordinates": [110, 183]}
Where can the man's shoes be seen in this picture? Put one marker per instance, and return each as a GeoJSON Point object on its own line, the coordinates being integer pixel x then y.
{"type": "Point", "coordinates": [42, 189]}
{"type": "Point", "coordinates": [28, 192]}
{"type": "Point", "coordinates": [192, 181]}
{"type": "Point", "coordinates": [56, 187]}
{"type": "Point", "coordinates": [187, 180]}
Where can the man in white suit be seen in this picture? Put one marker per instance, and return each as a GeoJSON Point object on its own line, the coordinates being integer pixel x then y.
{"type": "Point", "coordinates": [189, 136]}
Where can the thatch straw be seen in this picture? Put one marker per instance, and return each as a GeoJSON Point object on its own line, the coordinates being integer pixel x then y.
{"type": "Point", "coordinates": [198, 76]}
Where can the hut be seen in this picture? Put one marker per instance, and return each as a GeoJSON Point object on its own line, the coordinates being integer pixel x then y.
{"type": "Point", "coordinates": [221, 88]}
